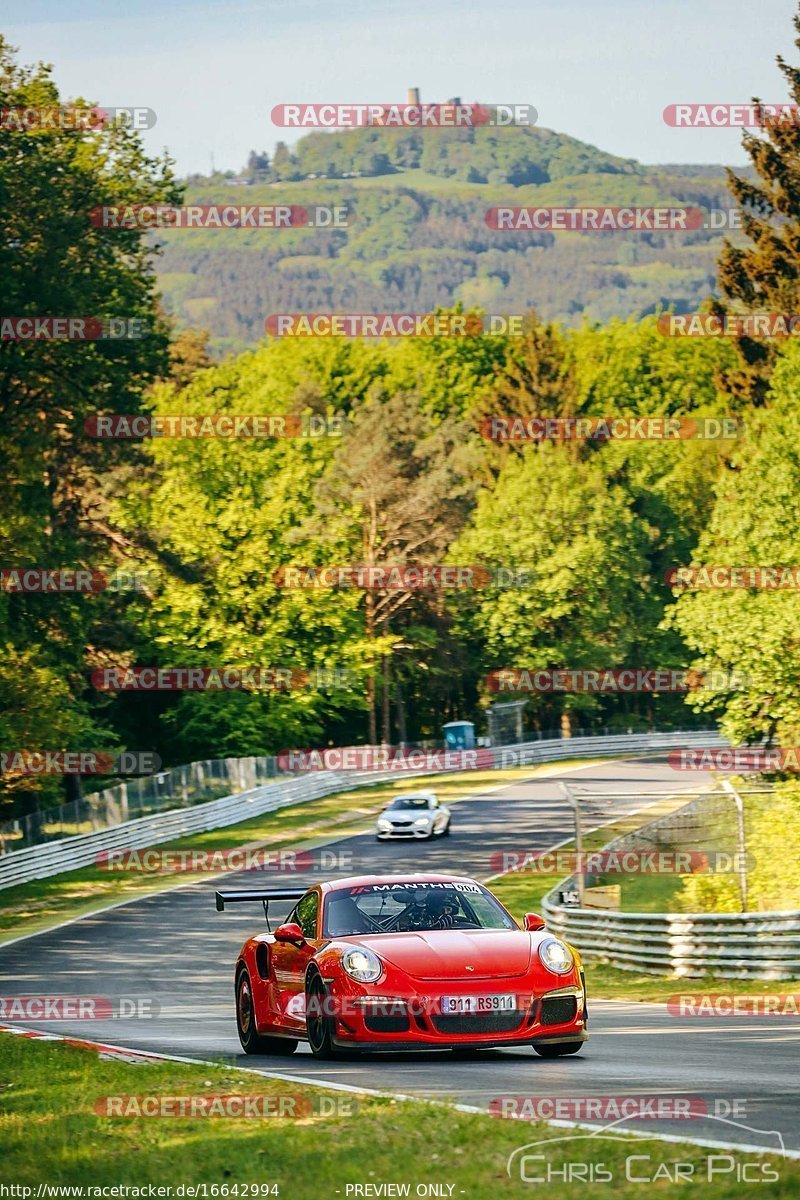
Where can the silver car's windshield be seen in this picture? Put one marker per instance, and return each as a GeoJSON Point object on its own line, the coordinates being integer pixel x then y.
{"type": "Point", "coordinates": [412, 906]}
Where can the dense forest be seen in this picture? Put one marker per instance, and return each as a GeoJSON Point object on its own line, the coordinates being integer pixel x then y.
{"type": "Point", "coordinates": [416, 235]}
{"type": "Point", "coordinates": [388, 463]}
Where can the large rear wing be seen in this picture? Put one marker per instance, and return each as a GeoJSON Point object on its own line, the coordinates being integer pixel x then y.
{"type": "Point", "coordinates": [263, 898]}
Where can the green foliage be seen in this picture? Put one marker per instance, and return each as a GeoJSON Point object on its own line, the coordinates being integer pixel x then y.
{"type": "Point", "coordinates": [755, 521]}
{"type": "Point", "coordinates": [57, 478]}
{"type": "Point", "coordinates": [772, 828]}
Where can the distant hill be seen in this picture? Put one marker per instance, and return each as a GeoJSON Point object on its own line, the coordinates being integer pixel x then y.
{"type": "Point", "coordinates": [419, 239]}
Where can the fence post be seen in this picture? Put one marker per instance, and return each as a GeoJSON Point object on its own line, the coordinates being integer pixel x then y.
{"type": "Point", "coordinates": [576, 812]}
{"type": "Point", "coordinates": [742, 842]}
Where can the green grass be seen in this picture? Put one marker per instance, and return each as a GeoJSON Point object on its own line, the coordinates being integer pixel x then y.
{"type": "Point", "coordinates": [604, 982]}
{"type": "Point", "coordinates": [523, 891]}
{"type": "Point", "coordinates": [42, 903]}
{"type": "Point", "coordinates": [51, 1133]}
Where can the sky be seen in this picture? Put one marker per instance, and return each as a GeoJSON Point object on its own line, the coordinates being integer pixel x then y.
{"type": "Point", "coordinates": [599, 70]}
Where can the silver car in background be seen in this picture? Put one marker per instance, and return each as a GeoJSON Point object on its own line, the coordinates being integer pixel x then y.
{"type": "Point", "coordinates": [413, 815]}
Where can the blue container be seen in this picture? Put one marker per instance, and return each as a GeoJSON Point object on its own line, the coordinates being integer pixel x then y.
{"type": "Point", "coordinates": [459, 735]}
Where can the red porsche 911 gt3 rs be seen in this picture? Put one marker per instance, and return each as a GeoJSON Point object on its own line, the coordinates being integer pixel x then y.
{"type": "Point", "coordinates": [405, 963]}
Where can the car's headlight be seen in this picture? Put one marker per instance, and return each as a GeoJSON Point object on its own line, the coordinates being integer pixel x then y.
{"type": "Point", "coordinates": [384, 824]}
{"type": "Point", "coordinates": [422, 821]}
{"type": "Point", "coordinates": [362, 965]}
{"type": "Point", "coordinates": [556, 956]}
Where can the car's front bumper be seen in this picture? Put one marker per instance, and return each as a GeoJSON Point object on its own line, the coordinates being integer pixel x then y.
{"type": "Point", "coordinates": [409, 834]}
{"type": "Point", "coordinates": [372, 1023]}
{"type": "Point", "coordinates": [396, 1045]}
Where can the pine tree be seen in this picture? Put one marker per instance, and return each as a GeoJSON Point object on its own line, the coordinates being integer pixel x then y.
{"type": "Point", "coordinates": [764, 276]}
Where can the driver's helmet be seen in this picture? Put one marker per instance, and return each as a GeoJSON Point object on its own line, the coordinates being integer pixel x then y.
{"type": "Point", "coordinates": [442, 904]}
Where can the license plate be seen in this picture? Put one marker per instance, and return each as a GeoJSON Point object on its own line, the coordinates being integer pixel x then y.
{"type": "Point", "coordinates": [479, 1004]}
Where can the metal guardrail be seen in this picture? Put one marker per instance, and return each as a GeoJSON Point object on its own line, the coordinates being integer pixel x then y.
{"type": "Point", "coordinates": [139, 796]}
{"type": "Point", "coordinates": [730, 945]}
{"type": "Point", "coordinates": [749, 945]}
{"type": "Point", "coordinates": [71, 853]}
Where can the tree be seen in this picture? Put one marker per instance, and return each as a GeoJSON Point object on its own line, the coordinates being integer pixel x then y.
{"type": "Point", "coordinates": [188, 354]}
{"type": "Point", "coordinates": [764, 276]}
{"type": "Point", "coordinates": [284, 164]}
{"type": "Point", "coordinates": [397, 492]}
{"type": "Point", "coordinates": [536, 380]}
{"type": "Point", "coordinates": [564, 521]}
{"type": "Point", "coordinates": [752, 636]}
{"type": "Point", "coordinates": [55, 263]}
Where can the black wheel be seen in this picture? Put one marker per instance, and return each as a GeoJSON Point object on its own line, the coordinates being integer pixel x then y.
{"type": "Point", "coordinates": [252, 1041]}
{"type": "Point", "coordinates": [558, 1049]}
{"type": "Point", "coordinates": [446, 830]}
{"type": "Point", "coordinates": [319, 1022]}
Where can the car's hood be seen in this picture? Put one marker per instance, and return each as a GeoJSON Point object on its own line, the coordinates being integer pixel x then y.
{"type": "Point", "coordinates": [447, 953]}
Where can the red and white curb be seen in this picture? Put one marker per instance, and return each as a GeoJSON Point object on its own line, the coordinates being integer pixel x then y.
{"type": "Point", "coordinates": [102, 1049]}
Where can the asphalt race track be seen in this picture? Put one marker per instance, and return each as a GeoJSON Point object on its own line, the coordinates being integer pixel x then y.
{"type": "Point", "coordinates": [175, 949]}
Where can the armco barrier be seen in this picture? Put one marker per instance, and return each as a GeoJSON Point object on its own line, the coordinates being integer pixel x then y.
{"type": "Point", "coordinates": [763, 945]}
{"type": "Point", "coordinates": [70, 853]}
{"type": "Point", "coordinates": [752, 945]}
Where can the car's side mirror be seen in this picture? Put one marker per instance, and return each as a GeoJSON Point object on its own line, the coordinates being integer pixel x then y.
{"type": "Point", "coordinates": [290, 932]}
{"type": "Point", "coordinates": [533, 922]}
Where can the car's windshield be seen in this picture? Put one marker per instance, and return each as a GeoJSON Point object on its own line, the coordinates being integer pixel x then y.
{"type": "Point", "coordinates": [410, 802]}
{"type": "Point", "coordinates": [411, 906]}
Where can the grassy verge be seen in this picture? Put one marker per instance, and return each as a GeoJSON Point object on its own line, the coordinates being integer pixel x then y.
{"type": "Point", "coordinates": [52, 1134]}
{"type": "Point", "coordinates": [604, 982]}
{"type": "Point", "coordinates": [522, 891]}
{"type": "Point", "coordinates": [44, 902]}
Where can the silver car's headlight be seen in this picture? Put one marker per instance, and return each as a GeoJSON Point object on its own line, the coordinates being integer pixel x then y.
{"type": "Point", "coordinates": [384, 824]}
{"type": "Point", "coordinates": [422, 821]}
{"type": "Point", "coordinates": [362, 965]}
{"type": "Point", "coordinates": [556, 956]}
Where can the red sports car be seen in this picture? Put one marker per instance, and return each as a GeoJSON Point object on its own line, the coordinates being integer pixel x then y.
{"type": "Point", "coordinates": [405, 962]}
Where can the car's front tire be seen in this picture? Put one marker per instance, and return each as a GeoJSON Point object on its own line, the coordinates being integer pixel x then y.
{"type": "Point", "coordinates": [319, 1022]}
{"type": "Point", "coordinates": [446, 830]}
{"type": "Point", "coordinates": [558, 1049]}
{"type": "Point", "coordinates": [252, 1041]}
